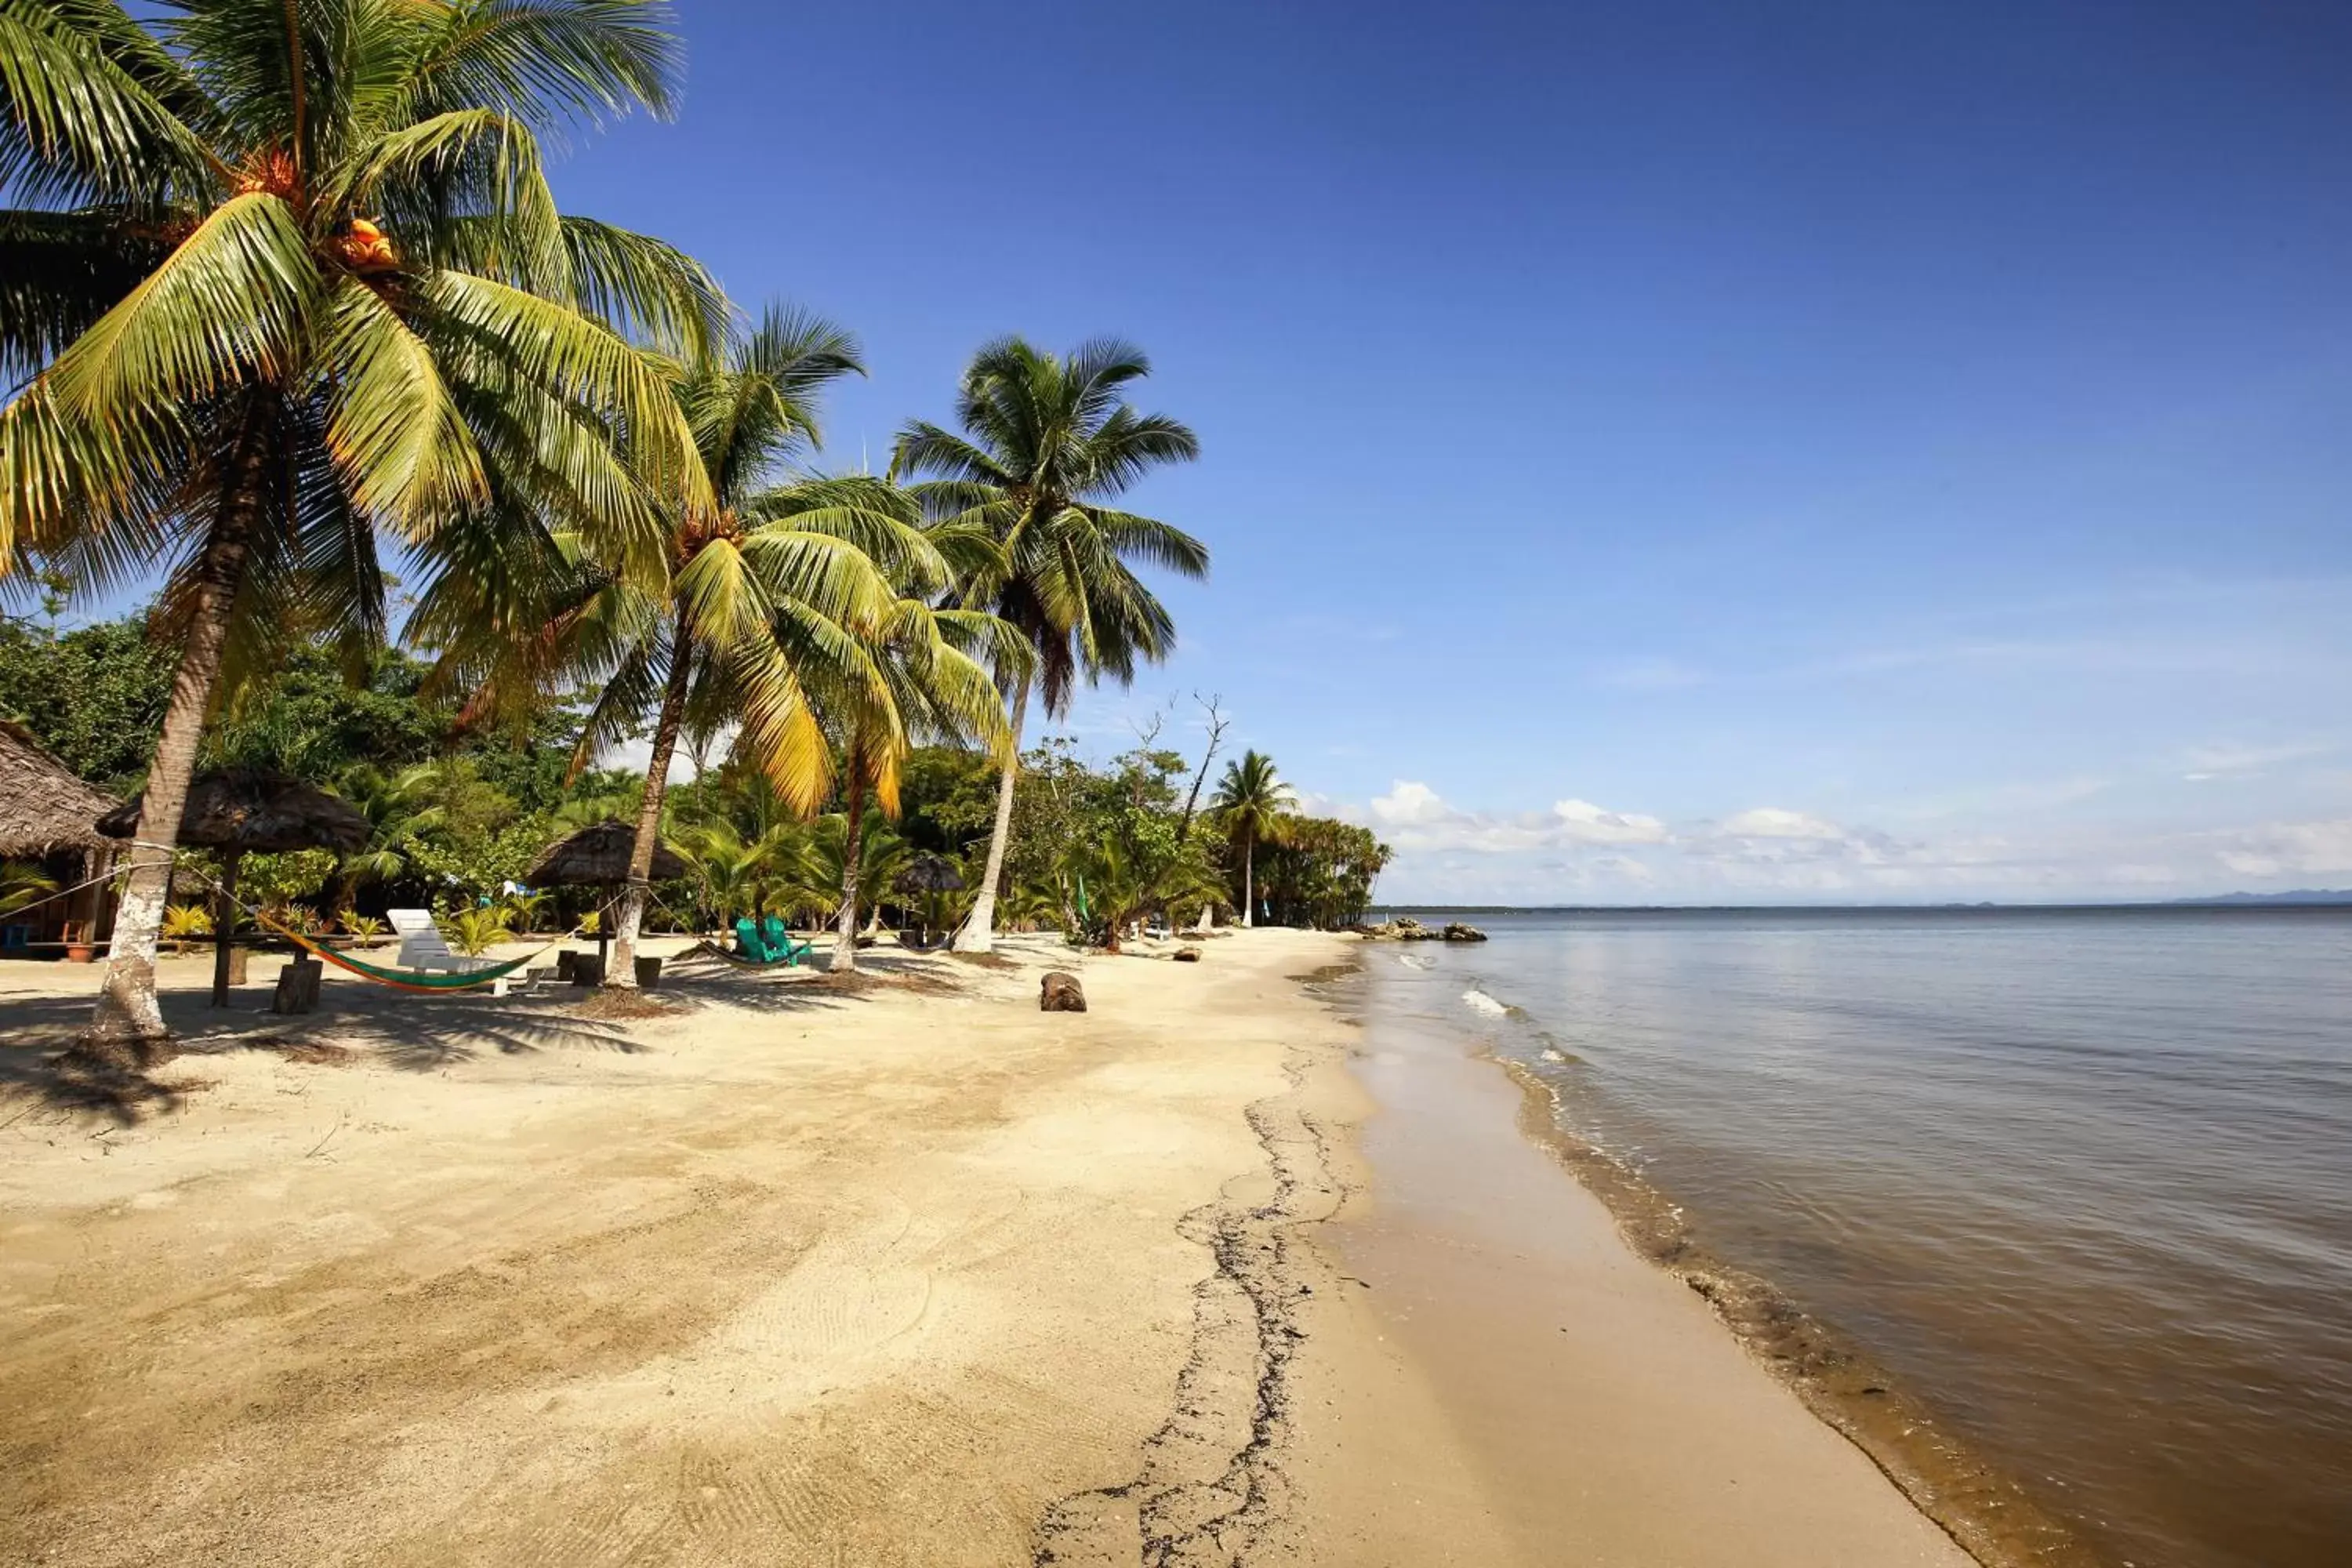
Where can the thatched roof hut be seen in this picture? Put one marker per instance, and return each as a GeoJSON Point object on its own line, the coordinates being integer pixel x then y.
{"type": "Point", "coordinates": [598, 857]}
{"type": "Point", "coordinates": [255, 811]}
{"type": "Point", "coordinates": [45, 808]}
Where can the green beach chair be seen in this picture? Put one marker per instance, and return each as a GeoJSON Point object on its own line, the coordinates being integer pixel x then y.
{"type": "Point", "coordinates": [767, 941]}
{"type": "Point", "coordinates": [749, 944]}
{"type": "Point", "coordinates": [779, 943]}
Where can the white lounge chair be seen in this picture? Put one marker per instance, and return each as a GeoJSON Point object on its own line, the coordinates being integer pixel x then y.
{"type": "Point", "coordinates": [421, 944]}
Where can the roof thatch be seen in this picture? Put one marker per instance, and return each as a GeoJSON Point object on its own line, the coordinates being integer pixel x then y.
{"type": "Point", "coordinates": [598, 857]}
{"type": "Point", "coordinates": [927, 874]}
{"type": "Point", "coordinates": [255, 811]}
{"type": "Point", "coordinates": [44, 807]}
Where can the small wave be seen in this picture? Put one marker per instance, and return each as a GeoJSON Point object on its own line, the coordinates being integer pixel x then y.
{"type": "Point", "coordinates": [1481, 1003]}
{"type": "Point", "coordinates": [1415, 960]}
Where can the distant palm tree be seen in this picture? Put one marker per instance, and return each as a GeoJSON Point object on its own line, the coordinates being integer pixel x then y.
{"type": "Point", "coordinates": [1250, 802]}
{"type": "Point", "coordinates": [1048, 444]}
{"type": "Point", "coordinates": [284, 275]}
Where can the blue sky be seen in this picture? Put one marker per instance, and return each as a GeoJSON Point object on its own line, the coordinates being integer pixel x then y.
{"type": "Point", "coordinates": [1652, 451]}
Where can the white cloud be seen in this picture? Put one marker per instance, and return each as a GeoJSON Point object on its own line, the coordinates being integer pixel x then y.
{"type": "Point", "coordinates": [1582, 821]}
{"type": "Point", "coordinates": [1579, 851]}
{"type": "Point", "coordinates": [2229, 760]}
{"type": "Point", "coordinates": [1408, 803]}
{"type": "Point", "coordinates": [1774, 822]}
{"type": "Point", "coordinates": [1413, 816]}
{"type": "Point", "coordinates": [2291, 848]}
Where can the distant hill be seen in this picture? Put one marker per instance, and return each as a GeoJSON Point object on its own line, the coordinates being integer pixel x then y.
{"type": "Point", "coordinates": [2299, 896]}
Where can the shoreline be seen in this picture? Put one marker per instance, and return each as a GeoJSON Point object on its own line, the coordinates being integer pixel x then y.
{"type": "Point", "coordinates": [1624, 1421]}
{"type": "Point", "coordinates": [1984, 1511]}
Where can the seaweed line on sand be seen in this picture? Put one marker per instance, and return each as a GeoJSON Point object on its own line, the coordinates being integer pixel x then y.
{"type": "Point", "coordinates": [1210, 1486]}
{"type": "Point", "coordinates": [1985, 1512]}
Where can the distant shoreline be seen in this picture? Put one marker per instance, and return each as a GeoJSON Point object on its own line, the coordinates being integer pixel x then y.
{"type": "Point", "coordinates": [2230, 901]}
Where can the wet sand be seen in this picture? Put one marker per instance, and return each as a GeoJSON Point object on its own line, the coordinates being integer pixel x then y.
{"type": "Point", "coordinates": [898, 1271]}
{"type": "Point", "coordinates": [1622, 1422]}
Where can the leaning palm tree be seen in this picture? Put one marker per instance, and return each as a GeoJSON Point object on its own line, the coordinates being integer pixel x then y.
{"type": "Point", "coordinates": [775, 590]}
{"type": "Point", "coordinates": [1048, 444]}
{"type": "Point", "coordinates": [286, 275]}
{"type": "Point", "coordinates": [1250, 801]}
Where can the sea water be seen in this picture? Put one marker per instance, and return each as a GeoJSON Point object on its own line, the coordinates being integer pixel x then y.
{"type": "Point", "coordinates": [2081, 1179]}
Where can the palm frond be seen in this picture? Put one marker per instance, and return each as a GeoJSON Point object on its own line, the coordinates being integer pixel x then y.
{"type": "Point", "coordinates": [640, 286]}
{"type": "Point", "coordinates": [548, 62]}
{"type": "Point", "coordinates": [82, 122]}
{"type": "Point", "coordinates": [571, 357]}
{"type": "Point", "coordinates": [399, 439]}
{"type": "Point", "coordinates": [229, 304]}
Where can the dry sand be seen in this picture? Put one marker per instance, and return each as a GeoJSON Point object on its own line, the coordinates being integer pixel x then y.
{"type": "Point", "coordinates": [895, 1272]}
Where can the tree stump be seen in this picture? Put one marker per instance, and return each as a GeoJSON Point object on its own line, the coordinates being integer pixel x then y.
{"type": "Point", "coordinates": [297, 986]}
{"type": "Point", "coordinates": [1061, 993]}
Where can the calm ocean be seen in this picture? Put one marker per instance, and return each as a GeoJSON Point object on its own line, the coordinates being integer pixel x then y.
{"type": "Point", "coordinates": [2082, 1179]}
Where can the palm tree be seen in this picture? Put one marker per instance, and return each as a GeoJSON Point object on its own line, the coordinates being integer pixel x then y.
{"type": "Point", "coordinates": [1048, 444]}
{"type": "Point", "coordinates": [771, 592]}
{"type": "Point", "coordinates": [929, 684]}
{"type": "Point", "coordinates": [732, 871]}
{"type": "Point", "coordinates": [291, 274]}
{"type": "Point", "coordinates": [1250, 801]}
{"type": "Point", "coordinates": [398, 807]}
{"type": "Point", "coordinates": [842, 866]}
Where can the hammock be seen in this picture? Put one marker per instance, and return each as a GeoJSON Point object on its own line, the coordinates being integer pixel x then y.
{"type": "Point", "coordinates": [404, 979]}
{"type": "Point", "coordinates": [745, 961]}
{"type": "Point", "coordinates": [398, 979]}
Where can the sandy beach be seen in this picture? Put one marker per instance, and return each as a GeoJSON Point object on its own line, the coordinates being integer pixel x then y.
{"type": "Point", "coordinates": [896, 1271]}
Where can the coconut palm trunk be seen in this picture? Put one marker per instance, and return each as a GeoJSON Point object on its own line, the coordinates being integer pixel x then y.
{"type": "Point", "coordinates": [129, 1024]}
{"type": "Point", "coordinates": [979, 932]}
{"type": "Point", "coordinates": [1249, 879]}
{"type": "Point", "coordinates": [225, 927]}
{"type": "Point", "coordinates": [622, 971]}
{"type": "Point", "coordinates": [853, 854]}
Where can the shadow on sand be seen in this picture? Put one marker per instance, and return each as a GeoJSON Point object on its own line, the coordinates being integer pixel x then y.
{"type": "Point", "coordinates": [404, 1030]}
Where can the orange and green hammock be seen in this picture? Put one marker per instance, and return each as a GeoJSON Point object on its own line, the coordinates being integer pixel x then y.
{"type": "Point", "coordinates": [402, 979]}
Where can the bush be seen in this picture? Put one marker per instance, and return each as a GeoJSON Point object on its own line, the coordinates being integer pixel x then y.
{"type": "Point", "coordinates": [477, 931]}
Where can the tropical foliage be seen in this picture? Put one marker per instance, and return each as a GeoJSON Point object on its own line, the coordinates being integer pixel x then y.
{"type": "Point", "coordinates": [474, 932]}
{"type": "Point", "coordinates": [288, 304]}
{"type": "Point", "coordinates": [287, 277]}
{"type": "Point", "coordinates": [23, 885]}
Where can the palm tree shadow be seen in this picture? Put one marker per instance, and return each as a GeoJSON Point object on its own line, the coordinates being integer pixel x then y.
{"type": "Point", "coordinates": [37, 1075]}
{"type": "Point", "coordinates": [781, 989]}
{"type": "Point", "coordinates": [427, 1034]}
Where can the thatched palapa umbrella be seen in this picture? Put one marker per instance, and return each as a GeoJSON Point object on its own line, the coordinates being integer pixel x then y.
{"type": "Point", "coordinates": [598, 857]}
{"type": "Point", "coordinates": [250, 811]}
{"type": "Point", "coordinates": [48, 813]}
{"type": "Point", "coordinates": [927, 874]}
